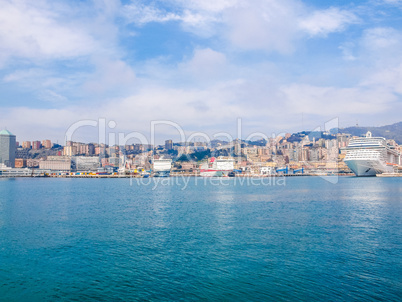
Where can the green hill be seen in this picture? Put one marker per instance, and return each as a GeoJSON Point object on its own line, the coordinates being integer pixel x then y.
{"type": "Point", "coordinates": [393, 131]}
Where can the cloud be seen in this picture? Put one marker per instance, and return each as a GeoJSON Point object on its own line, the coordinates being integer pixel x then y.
{"type": "Point", "coordinates": [109, 76]}
{"type": "Point", "coordinates": [389, 78]}
{"type": "Point", "coordinates": [24, 75]}
{"type": "Point", "coordinates": [206, 65]}
{"type": "Point", "coordinates": [265, 25]}
{"type": "Point", "coordinates": [248, 25]}
{"type": "Point", "coordinates": [397, 2]}
{"type": "Point", "coordinates": [210, 6]}
{"type": "Point", "coordinates": [51, 96]}
{"type": "Point", "coordinates": [347, 51]}
{"type": "Point", "coordinates": [332, 101]}
{"type": "Point", "coordinates": [199, 19]}
{"type": "Point", "coordinates": [243, 59]}
{"type": "Point", "coordinates": [41, 83]}
{"type": "Point", "coordinates": [75, 46]}
{"type": "Point", "coordinates": [141, 14]}
{"type": "Point", "coordinates": [378, 48]}
{"type": "Point", "coordinates": [272, 25]}
{"type": "Point", "coordinates": [323, 22]}
{"type": "Point", "coordinates": [32, 123]}
{"type": "Point", "coordinates": [380, 39]}
{"type": "Point", "coordinates": [262, 105]}
{"type": "Point", "coordinates": [33, 30]}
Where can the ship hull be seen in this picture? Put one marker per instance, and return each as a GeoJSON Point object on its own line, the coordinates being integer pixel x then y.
{"type": "Point", "coordinates": [366, 168]}
{"type": "Point", "coordinates": [162, 174]}
{"type": "Point", "coordinates": [214, 173]}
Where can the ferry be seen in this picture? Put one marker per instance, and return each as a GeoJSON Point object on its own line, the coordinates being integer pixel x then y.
{"type": "Point", "coordinates": [217, 167]}
{"type": "Point", "coordinates": [161, 167]}
{"type": "Point", "coordinates": [369, 156]}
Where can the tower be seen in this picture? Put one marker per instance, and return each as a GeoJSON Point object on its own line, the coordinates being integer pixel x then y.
{"type": "Point", "coordinates": [169, 144]}
{"type": "Point", "coordinates": [7, 148]}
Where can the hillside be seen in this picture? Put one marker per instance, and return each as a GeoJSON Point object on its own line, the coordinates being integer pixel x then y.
{"type": "Point", "coordinates": [393, 131]}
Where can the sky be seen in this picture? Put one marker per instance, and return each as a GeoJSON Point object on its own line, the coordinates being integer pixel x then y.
{"type": "Point", "coordinates": [278, 66]}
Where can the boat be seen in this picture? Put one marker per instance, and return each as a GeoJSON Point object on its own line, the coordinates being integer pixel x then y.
{"type": "Point", "coordinates": [161, 167]}
{"type": "Point", "coordinates": [217, 167]}
{"type": "Point", "coordinates": [369, 156]}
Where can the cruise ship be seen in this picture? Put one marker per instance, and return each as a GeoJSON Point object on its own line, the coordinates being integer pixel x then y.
{"type": "Point", "coordinates": [369, 156]}
{"type": "Point", "coordinates": [217, 167]}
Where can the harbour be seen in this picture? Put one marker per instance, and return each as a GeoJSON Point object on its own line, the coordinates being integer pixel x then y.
{"type": "Point", "coordinates": [176, 150]}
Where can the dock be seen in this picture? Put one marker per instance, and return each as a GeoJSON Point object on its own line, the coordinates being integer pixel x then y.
{"type": "Point", "coordinates": [389, 175]}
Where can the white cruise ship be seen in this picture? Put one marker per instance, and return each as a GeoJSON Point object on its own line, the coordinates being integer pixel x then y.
{"type": "Point", "coordinates": [369, 156]}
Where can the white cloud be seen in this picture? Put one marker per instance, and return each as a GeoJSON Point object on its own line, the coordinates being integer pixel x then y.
{"type": "Point", "coordinates": [52, 97]}
{"type": "Point", "coordinates": [210, 6]}
{"type": "Point", "coordinates": [140, 14]}
{"type": "Point", "coordinates": [272, 25]}
{"type": "Point", "coordinates": [216, 106]}
{"type": "Point", "coordinates": [80, 39]}
{"type": "Point", "coordinates": [193, 18]}
{"type": "Point", "coordinates": [380, 39]}
{"type": "Point", "coordinates": [30, 123]}
{"type": "Point", "coordinates": [389, 78]}
{"type": "Point", "coordinates": [32, 30]}
{"type": "Point", "coordinates": [190, 12]}
{"type": "Point", "coordinates": [24, 75]}
{"type": "Point", "coordinates": [323, 22]}
{"type": "Point", "coordinates": [334, 101]}
{"type": "Point", "coordinates": [208, 89]}
{"type": "Point", "coordinates": [267, 25]}
{"type": "Point", "coordinates": [347, 51]}
{"type": "Point", "coordinates": [110, 75]}
{"type": "Point", "coordinates": [206, 64]}
{"type": "Point", "coordinates": [393, 1]}
{"type": "Point", "coordinates": [279, 25]}
{"type": "Point", "coordinates": [377, 49]}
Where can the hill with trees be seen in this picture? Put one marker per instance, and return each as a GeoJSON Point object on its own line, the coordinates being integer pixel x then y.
{"type": "Point", "coordinates": [393, 131]}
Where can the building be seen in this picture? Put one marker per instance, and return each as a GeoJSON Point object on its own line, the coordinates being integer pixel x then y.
{"type": "Point", "coordinates": [169, 144]}
{"type": "Point", "coordinates": [47, 144]}
{"type": "Point", "coordinates": [100, 150]}
{"type": "Point", "coordinates": [91, 149]}
{"type": "Point", "coordinates": [22, 153]}
{"type": "Point", "coordinates": [20, 163]}
{"type": "Point", "coordinates": [114, 161]}
{"type": "Point", "coordinates": [36, 145]}
{"type": "Point", "coordinates": [26, 145]}
{"type": "Point", "coordinates": [85, 163]}
{"type": "Point", "coordinates": [32, 163]}
{"type": "Point", "coordinates": [188, 166]}
{"type": "Point", "coordinates": [70, 151]}
{"type": "Point", "coordinates": [237, 147]}
{"type": "Point", "coordinates": [58, 165]}
{"type": "Point", "coordinates": [7, 148]}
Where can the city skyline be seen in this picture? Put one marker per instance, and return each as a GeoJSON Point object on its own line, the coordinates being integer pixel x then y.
{"type": "Point", "coordinates": [280, 66]}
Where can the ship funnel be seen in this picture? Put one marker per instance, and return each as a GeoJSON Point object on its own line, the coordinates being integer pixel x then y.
{"type": "Point", "coordinates": [368, 134]}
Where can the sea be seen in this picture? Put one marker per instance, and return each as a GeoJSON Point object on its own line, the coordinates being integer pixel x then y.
{"type": "Point", "coordinates": [192, 239]}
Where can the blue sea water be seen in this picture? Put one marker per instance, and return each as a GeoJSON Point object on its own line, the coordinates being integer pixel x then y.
{"type": "Point", "coordinates": [299, 238]}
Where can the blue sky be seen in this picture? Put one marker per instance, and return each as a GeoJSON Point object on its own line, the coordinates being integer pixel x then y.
{"type": "Point", "coordinates": [200, 64]}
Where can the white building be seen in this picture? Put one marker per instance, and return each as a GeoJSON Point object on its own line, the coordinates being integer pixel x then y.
{"type": "Point", "coordinates": [86, 163]}
{"type": "Point", "coordinates": [56, 165]}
